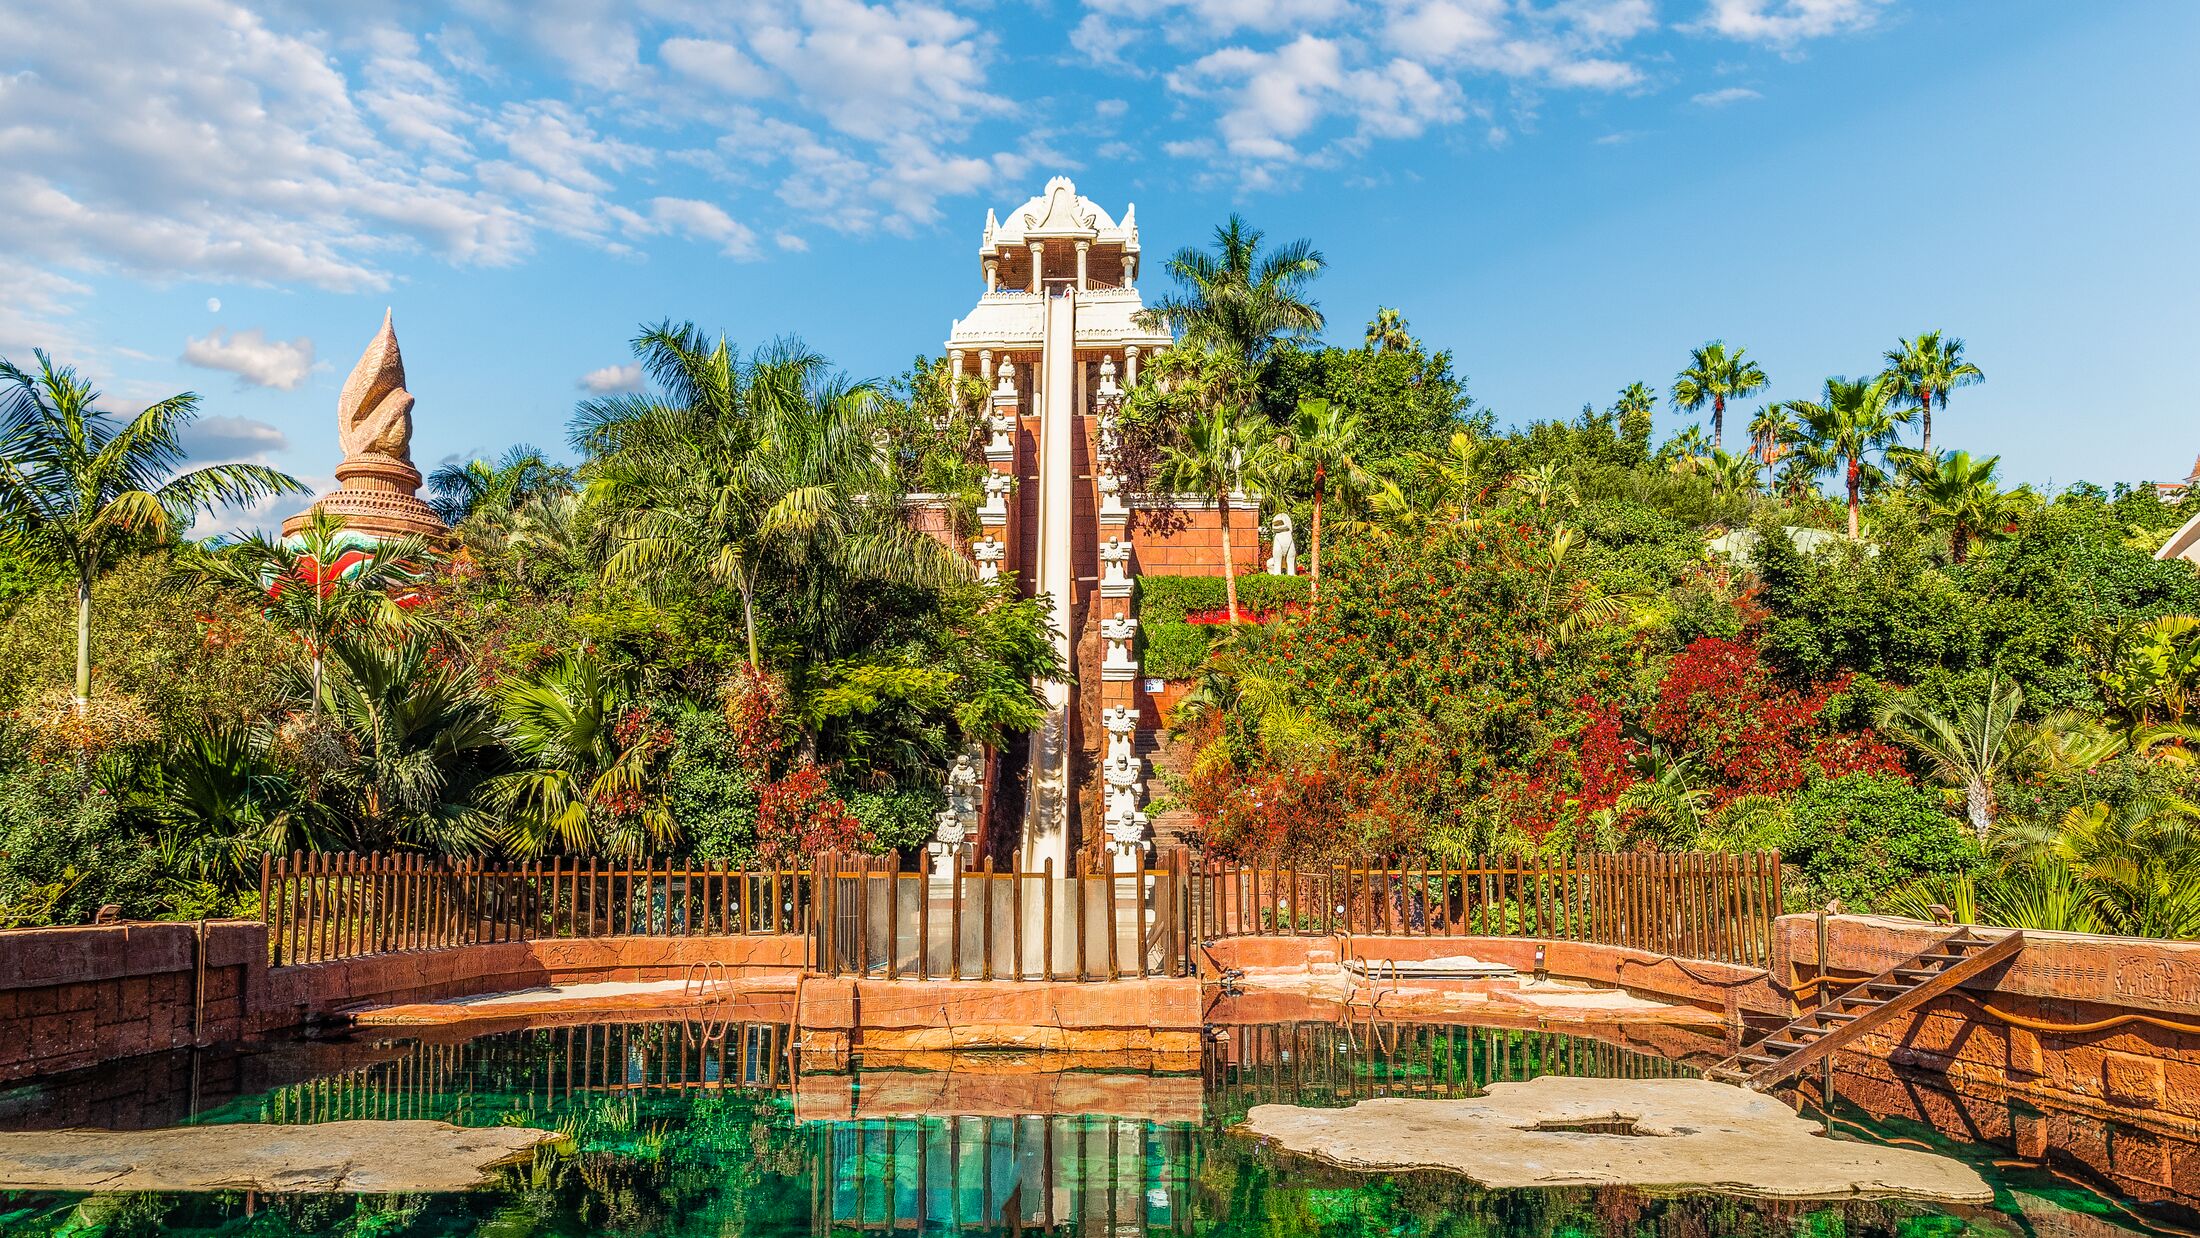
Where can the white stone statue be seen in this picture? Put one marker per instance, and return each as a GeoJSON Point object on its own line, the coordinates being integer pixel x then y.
{"type": "Point", "coordinates": [1107, 378]}
{"type": "Point", "coordinates": [995, 508]}
{"type": "Point", "coordinates": [1118, 633]}
{"type": "Point", "coordinates": [1111, 497]}
{"type": "Point", "coordinates": [1122, 724]}
{"type": "Point", "coordinates": [1002, 446]}
{"type": "Point", "coordinates": [1283, 552]}
{"type": "Point", "coordinates": [1115, 561]}
{"type": "Point", "coordinates": [1007, 385]}
{"type": "Point", "coordinates": [989, 552]}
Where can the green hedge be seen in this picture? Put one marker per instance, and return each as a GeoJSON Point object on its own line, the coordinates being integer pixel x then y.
{"type": "Point", "coordinates": [1170, 648]}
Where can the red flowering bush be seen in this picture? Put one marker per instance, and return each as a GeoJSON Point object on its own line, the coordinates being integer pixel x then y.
{"type": "Point", "coordinates": [798, 817]}
{"type": "Point", "coordinates": [1719, 704]}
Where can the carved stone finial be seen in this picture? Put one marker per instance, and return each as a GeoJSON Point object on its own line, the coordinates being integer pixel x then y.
{"type": "Point", "coordinates": [374, 413]}
{"type": "Point", "coordinates": [376, 496]}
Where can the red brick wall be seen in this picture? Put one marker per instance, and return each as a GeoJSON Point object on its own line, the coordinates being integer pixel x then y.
{"type": "Point", "coordinates": [1188, 542]}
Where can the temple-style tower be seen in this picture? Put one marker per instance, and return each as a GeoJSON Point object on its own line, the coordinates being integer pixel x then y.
{"type": "Point", "coordinates": [377, 491]}
{"type": "Point", "coordinates": [1055, 336]}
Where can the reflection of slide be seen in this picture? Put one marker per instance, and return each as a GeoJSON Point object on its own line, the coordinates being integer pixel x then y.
{"type": "Point", "coordinates": [1098, 1174]}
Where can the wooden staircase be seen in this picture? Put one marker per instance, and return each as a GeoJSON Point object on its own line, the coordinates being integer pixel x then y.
{"type": "Point", "coordinates": [1895, 992]}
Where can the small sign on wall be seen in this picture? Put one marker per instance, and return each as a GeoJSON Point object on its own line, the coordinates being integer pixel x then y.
{"type": "Point", "coordinates": [1153, 686]}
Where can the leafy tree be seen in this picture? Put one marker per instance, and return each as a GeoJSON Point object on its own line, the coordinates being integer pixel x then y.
{"type": "Point", "coordinates": [1770, 433]}
{"type": "Point", "coordinates": [1237, 300]}
{"type": "Point", "coordinates": [1713, 376]}
{"type": "Point", "coordinates": [1854, 421]}
{"type": "Point", "coordinates": [1861, 837]}
{"type": "Point", "coordinates": [1925, 370]}
{"type": "Point", "coordinates": [1324, 445]}
{"type": "Point", "coordinates": [1634, 408]}
{"type": "Point", "coordinates": [80, 489]}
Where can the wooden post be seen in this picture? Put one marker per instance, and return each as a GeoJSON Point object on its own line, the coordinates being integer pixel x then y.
{"type": "Point", "coordinates": [1016, 914]}
{"type": "Point", "coordinates": [955, 914]}
{"type": "Point", "coordinates": [1046, 916]}
{"type": "Point", "coordinates": [985, 923]}
{"type": "Point", "coordinates": [1115, 935]}
{"type": "Point", "coordinates": [1077, 885]}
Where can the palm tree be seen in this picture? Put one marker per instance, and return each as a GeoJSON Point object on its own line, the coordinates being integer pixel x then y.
{"type": "Point", "coordinates": [420, 744]}
{"type": "Point", "coordinates": [323, 585]}
{"type": "Point", "coordinates": [1959, 493]}
{"type": "Point", "coordinates": [1769, 432]}
{"type": "Point", "coordinates": [1730, 474]}
{"type": "Point", "coordinates": [585, 784]}
{"type": "Point", "coordinates": [738, 473]}
{"type": "Point", "coordinates": [1325, 440]}
{"type": "Point", "coordinates": [1237, 300]}
{"type": "Point", "coordinates": [460, 491]}
{"type": "Point", "coordinates": [76, 487]}
{"type": "Point", "coordinates": [1854, 420]}
{"type": "Point", "coordinates": [1925, 370]}
{"type": "Point", "coordinates": [1971, 750]}
{"type": "Point", "coordinates": [1387, 333]}
{"type": "Point", "coordinates": [1216, 451]}
{"type": "Point", "coordinates": [1715, 376]}
{"type": "Point", "coordinates": [1634, 408]}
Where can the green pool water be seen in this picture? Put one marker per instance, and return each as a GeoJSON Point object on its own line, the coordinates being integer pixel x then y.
{"type": "Point", "coordinates": [682, 1130]}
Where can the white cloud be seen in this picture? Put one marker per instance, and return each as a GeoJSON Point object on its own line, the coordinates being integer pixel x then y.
{"type": "Point", "coordinates": [213, 305]}
{"type": "Point", "coordinates": [1786, 21]}
{"type": "Point", "coordinates": [36, 313]}
{"type": "Point", "coordinates": [716, 64]}
{"type": "Point", "coordinates": [701, 221]}
{"type": "Point", "coordinates": [224, 440]}
{"type": "Point", "coordinates": [255, 359]}
{"type": "Point", "coordinates": [880, 72]}
{"type": "Point", "coordinates": [1270, 100]}
{"type": "Point", "coordinates": [1187, 20]}
{"type": "Point", "coordinates": [1724, 96]}
{"type": "Point", "coordinates": [612, 379]}
{"type": "Point", "coordinates": [791, 242]}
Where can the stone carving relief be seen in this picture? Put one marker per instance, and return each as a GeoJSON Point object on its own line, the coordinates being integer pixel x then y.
{"type": "Point", "coordinates": [1115, 562]}
{"type": "Point", "coordinates": [989, 552]}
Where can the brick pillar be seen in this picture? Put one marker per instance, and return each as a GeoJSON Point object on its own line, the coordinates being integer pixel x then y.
{"type": "Point", "coordinates": [1123, 820]}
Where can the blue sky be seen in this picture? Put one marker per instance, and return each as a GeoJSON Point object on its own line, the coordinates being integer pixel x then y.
{"type": "Point", "coordinates": [1567, 193]}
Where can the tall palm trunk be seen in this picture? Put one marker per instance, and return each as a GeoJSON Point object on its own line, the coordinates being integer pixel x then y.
{"type": "Point", "coordinates": [83, 637]}
{"type": "Point", "coordinates": [1925, 405]}
{"type": "Point", "coordinates": [1959, 548]}
{"type": "Point", "coordinates": [1856, 482]}
{"type": "Point", "coordinates": [1718, 419]}
{"type": "Point", "coordinates": [1978, 805]}
{"type": "Point", "coordinates": [1229, 562]}
{"type": "Point", "coordinates": [748, 617]}
{"type": "Point", "coordinates": [1314, 557]}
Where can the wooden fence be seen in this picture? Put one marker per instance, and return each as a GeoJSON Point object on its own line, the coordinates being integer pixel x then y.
{"type": "Point", "coordinates": [1703, 905]}
{"type": "Point", "coordinates": [321, 907]}
{"type": "Point", "coordinates": [1091, 922]}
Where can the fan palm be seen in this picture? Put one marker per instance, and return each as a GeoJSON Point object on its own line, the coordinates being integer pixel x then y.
{"type": "Point", "coordinates": [737, 473]}
{"type": "Point", "coordinates": [586, 782]}
{"type": "Point", "coordinates": [1634, 407]}
{"type": "Point", "coordinates": [1769, 432]}
{"type": "Point", "coordinates": [1959, 494]}
{"type": "Point", "coordinates": [1714, 376]}
{"type": "Point", "coordinates": [1215, 453]}
{"type": "Point", "coordinates": [1325, 441]}
{"type": "Point", "coordinates": [1841, 432]}
{"type": "Point", "coordinates": [459, 492]}
{"type": "Point", "coordinates": [1970, 751]}
{"type": "Point", "coordinates": [1387, 333]}
{"type": "Point", "coordinates": [1237, 300]}
{"type": "Point", "coordinates": [317, 587]}
{"type": "Point", "coordinates": [76, 486]}
{"type": "Point", "coordinates": [422, 744]}
{"type": "Point", "coordinates": [1925, 370]}
{"type": "Point", "coordinates": [1730, 474]}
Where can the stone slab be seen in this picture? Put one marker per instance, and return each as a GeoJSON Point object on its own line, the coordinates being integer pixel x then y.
{"type": "Point", "coordinates": [1688, 1134]}
{"type": "Point", "coordinates": [364, 1157]}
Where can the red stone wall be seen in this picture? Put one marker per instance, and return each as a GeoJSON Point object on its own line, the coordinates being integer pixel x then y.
{"type": "Point", "coordinates": [73, 997]}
